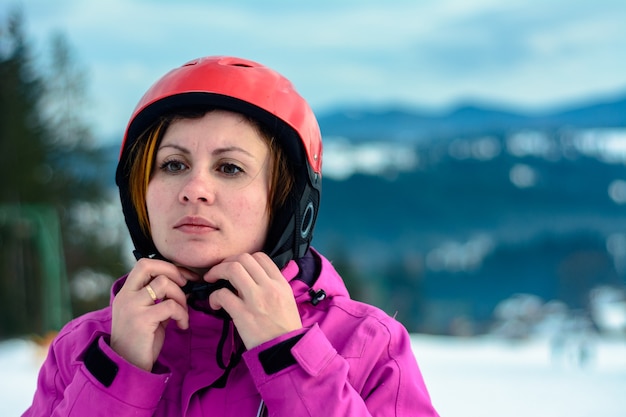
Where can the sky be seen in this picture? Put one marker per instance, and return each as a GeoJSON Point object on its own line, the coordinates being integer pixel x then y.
{"type": "Point", "coordinates": [425, 54]}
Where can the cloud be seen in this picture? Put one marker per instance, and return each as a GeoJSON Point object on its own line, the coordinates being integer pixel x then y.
{"type": "Point", "coordinates": [421, 53]}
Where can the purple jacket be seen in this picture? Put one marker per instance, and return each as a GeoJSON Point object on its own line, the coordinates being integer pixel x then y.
{"type": "Point", "coordinates": [351, 359]}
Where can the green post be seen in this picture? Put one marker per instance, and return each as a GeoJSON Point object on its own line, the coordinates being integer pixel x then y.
{"type": "Point", "coordinates": [55, 295]}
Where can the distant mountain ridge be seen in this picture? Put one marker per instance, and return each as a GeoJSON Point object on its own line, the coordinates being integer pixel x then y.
{"type": "Point", "coordinates": [416, 126]}
{"type": "Point", "coordinates": [465, 120]}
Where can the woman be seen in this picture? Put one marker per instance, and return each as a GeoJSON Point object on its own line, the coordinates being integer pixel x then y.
{"type": "Point", "coordinates": [220, 180]}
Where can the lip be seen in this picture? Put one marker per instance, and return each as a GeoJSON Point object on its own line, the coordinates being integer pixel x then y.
{"type": "Point", "coordinates": [195, 224]}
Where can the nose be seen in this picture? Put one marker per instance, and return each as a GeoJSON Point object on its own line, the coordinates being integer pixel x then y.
{"type": "Point", "coordinates": [197, 189]}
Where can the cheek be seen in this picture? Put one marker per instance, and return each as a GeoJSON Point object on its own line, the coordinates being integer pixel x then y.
{"type": "Point", "coordinates": [150, 199]}
{"type": "Point", "coordinates": [155, 201]}
{"type": "Point", "coordinates": [252, 210]}
{"type": "Point", "coordinates": [249, 211]}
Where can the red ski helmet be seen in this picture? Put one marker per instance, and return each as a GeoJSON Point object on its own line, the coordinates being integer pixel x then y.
{"type": "Point", "coordinates": [258, 92]}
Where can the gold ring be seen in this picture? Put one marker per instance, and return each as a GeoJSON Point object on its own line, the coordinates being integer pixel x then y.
{"type": "Point", "coordinates": [152, 293]}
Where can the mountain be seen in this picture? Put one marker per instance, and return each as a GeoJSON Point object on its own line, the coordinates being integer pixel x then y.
{"type": "Point", "coordinates": [464, 120]}
{"type": "Point", "coordinates": [495, 202]}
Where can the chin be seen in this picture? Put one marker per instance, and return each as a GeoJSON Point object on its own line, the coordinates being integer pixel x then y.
{"type": "Point", "coordinates": [189, 261]}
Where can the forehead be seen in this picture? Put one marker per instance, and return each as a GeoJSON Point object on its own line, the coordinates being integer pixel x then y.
{"type": "Point", "coordinates": [215, 128]}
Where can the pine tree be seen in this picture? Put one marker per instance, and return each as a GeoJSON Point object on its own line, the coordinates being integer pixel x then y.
{"type": "Point", "coordinates": [22, 133]}
{"type": "Point", "coordinates": [51, 171]}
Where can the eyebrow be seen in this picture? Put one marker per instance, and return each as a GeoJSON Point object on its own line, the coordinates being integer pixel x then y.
{"type": "Point", "coordinates": [217, 151]}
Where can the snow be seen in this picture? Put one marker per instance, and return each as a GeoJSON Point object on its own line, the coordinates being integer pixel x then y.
{"type": "Point", "coordinates": [19, 365]}
{"type": "Point", "coordinates": [481, 376]}
{"type": "Point", "coordinates": [494, 377]}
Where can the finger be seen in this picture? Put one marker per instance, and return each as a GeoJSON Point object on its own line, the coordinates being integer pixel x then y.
{"type": "Point", "coordinates": [226, 299]}
{"type": "Point", "coordinates": [165, 288]}
{"type": "Point", "coordinates": [238, 270]}
{"type": "Point", "coordinates": [188, 274]}
{"type": "Point", "coordinates": [268, 265]}
{"type": "Point", "coordinates": [231, 271]}
{"type": "Point", "coordinates": [171, 310]}
{"type": "Point", "coordinates": [146, 270]}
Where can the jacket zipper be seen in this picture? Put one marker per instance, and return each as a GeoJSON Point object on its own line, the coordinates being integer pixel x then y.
{"type": "Point", "coordinates": [262, 410]}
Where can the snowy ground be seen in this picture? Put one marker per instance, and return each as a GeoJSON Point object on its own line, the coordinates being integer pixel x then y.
{"type": "Point", "coordinates": [486, 377]}
{"type": "Point", "coordinates": [483, 377]}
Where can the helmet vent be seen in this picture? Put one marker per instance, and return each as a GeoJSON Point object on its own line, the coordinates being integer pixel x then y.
{"type": "Point", "coordinates": [228, 61]}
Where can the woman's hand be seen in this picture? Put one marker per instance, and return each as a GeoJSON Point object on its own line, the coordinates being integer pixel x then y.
{"type": "Point", "coordinates": [139, 322]}
{"type": "Point", "coordinates": [264, 306]}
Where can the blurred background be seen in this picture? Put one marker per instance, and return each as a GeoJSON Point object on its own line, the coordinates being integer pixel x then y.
{"type": "Point", "coordinates": [474, 175]}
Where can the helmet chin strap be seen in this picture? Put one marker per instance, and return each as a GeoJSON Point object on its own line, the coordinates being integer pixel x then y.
{"type": "Point", "coordinates": [291, 239]}
{"type": "Point", "coordinates": [282, 251]}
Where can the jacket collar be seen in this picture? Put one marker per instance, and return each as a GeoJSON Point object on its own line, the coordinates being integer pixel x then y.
{"type": "Point", "coordinates": [324, 277]}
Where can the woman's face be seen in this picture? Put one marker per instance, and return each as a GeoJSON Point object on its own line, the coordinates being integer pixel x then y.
{"type": "Point", "coordinates": [207, 198]}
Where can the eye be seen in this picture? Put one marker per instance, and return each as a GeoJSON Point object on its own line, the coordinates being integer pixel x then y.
{"type": "Point", "coordinates": [173, 166]}
{"type": "Point", "coordinates": [230, 169]}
